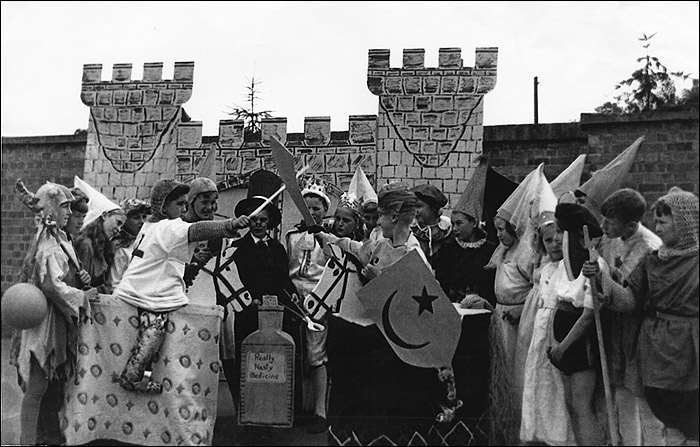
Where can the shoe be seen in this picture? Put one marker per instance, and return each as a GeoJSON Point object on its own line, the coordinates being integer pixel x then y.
{"type": "Point", "coordinates": [318, 426]}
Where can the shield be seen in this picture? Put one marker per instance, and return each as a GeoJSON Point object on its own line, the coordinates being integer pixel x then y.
{"type": "Point", "coordinates": [414, 314]}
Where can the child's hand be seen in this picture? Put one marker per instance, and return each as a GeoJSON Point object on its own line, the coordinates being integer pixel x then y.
{"type": "Point", "coordinates": [84, 277]}
{"type": "Point", "coordinates": [91, 295]}
{"type": "Point", "coordinates": [474, 301]}
{"type": "Point", "coordinates": [590, 268]}
{"type": "Point", "coordinates": [241, 222]}
{"type": "Point", "coordinates": [371, 271]}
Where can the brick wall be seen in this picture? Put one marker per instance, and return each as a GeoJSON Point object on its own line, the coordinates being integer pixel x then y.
{"type": "Point", "coordinates": [35, 160]}
{"type": "Point", "coordinates": [668, 157]}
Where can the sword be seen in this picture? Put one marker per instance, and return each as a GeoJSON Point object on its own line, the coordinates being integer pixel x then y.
{"type": "Point", "coordinates": [285, 166]}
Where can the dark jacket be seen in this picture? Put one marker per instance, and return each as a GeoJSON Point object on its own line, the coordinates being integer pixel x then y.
{"type": "Point", "coordinates": [264, 270]}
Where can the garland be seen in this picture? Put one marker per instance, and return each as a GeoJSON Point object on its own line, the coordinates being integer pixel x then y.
{"type": "Point", "coordinates": [447, 376]}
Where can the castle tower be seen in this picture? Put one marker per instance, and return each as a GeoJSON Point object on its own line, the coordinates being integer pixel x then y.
{"type": "Point", "coordinates": [430, 122]}
{"type": "Point", "coordinates": [136, 127]}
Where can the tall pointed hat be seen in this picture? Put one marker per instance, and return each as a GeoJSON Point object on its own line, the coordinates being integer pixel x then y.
{"type": "Point", "coordinates": [210, 165]}
{"type": "Point", "coordinates": [544, 205]}
{"type": "Point", "coordinates": [97, 202]}
{"type": "Point", "coordinates": [471, 202]}
{"type": "Point", "coordinates": [607, 180]}
{"type": "Point", "coordinates": [570, 178]}
{"type": "Point", "coordinates": [517, 208]}
{"type": "Point", "coordinates": [362, 188]}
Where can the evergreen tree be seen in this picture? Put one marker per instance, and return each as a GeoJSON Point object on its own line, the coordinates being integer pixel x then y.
{"type": "Point", "coordinates": [252, 130]}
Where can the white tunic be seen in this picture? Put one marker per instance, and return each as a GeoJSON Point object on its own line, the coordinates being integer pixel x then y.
{"type": "Point", "coordinates": [154, 279]}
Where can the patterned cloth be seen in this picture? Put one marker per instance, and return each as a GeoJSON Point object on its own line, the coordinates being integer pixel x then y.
{"type": "Point", "coordinates": [188, 366]}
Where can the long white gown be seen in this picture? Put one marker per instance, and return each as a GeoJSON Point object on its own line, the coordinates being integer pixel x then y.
{"type": "Point", "coordinates": [545, 417]}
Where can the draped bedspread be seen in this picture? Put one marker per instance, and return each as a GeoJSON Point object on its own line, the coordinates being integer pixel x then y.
{"type": "Point", "coordinates": [188, 366]}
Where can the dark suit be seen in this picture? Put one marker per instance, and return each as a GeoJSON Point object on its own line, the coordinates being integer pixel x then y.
{"type": "Point", "coordinates": [264, 270]}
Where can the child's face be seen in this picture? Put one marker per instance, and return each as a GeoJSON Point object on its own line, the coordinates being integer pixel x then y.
{"type": "Point", "coordinates": [552, 237]}
{"type": "Point", "coordinates": [344, 222]}
{"type": "Point", "coordinates": [387, 222]}
{"type": "Point", "coordinates": [260, 224]}
{"type": "Point", "coordinates": [666, 229]}
{"type": "Point", "coordinates": [613, 227]}
{"type": "Point", "coordinates": [75, 222]}
{"type": "Point", "coordinates": [112, 224]}
{"type": "Point", "coordinates": [506, 238]}
{"type": "Point", "coordinates": [371, 218]}
{"type": "Point", "coordinates": [424, 214]}
{"type": "Point", "coordinates": [317, 207]}
{"type": "Point", "coordinates": [463, 226]}
{"type": "Point", "coordinates": [175, 208]}
{"type": "Point", "coordinates": [205, 205]}
{"type": "Point", "coordinates": [135, 221]}
{"type": "Point", "coordinates": [63, 213]}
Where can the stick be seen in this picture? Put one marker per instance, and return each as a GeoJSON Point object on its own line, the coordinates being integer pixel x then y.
{"type": "Point", "coordinates": [278, 192]}
{"type": "Point", "coordinates": [601, 346]}
{"type": "Point", "coordinates": [267, 201]}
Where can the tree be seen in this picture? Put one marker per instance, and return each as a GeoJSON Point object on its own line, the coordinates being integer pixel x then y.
{"type": "Point", "coordinates": [252, 130]}
{"type": "Point", "coordinates": [650, 87]}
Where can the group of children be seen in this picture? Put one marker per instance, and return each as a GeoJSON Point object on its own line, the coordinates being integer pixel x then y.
{"type": "Point", "coordinates": [537, 281]}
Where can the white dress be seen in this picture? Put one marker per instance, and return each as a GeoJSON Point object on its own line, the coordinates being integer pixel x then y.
{"type": "Point", "coordinates": [545, 417]}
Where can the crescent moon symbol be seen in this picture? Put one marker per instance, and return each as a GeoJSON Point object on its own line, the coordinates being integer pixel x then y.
{"type": "Point", "coordinates": [390, 333]}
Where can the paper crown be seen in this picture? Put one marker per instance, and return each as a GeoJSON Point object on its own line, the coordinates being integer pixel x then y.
{"type": "Point", "coordinates": [97, 203]}
{"type": "Point", "coordinates": [349, 200]}
{"type": "Point", "coordinates": [362, 188]}
{"type": "Point", "coordinates": [132, 205]}
{"type": "Point", "coordinates": [570, 178]}
{"type": "Point", "coordinates": [316, 187]}
{"type": "Point", "coordinates": [471, 202]}
{"type": "Point", "coordinates": [607, 180]}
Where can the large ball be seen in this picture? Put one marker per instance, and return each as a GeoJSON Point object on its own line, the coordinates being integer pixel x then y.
{"type": "Point", "coordinates": [23, 306]}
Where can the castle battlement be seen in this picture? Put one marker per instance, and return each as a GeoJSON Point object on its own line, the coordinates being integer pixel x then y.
{"type": "Point", "coordinates": [317, 132]}
{"type": "Point", "coordinates": [449, 78]}
{"type": "Point", "coordinates": [150, 91]}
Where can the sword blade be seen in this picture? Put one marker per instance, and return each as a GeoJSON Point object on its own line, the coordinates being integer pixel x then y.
{"type": "Point", "coordinates": [285, 167]}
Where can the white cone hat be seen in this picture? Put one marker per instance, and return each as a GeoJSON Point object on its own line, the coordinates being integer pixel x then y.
{"type": "Point", "coordinates": [517, 207]}
{"type": "Point", "coordinates": [97, 203]}
{"type": "Point", "coordinates": [362, 188]}
{"type": "Point", "coordinates": [570, 178]}
{"type": "Point", "coordinates": [608, 179]}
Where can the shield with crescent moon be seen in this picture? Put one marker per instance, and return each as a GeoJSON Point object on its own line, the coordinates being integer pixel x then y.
{"type": "Point", "coordinates": [414, 314]}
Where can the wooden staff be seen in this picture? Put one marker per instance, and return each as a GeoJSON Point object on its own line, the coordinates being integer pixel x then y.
{"type": "Point", "coordinates": [612, 426]}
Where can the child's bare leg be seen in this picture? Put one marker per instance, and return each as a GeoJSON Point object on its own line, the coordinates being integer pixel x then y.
{"type": "Point", "coordinates": [149, 340]}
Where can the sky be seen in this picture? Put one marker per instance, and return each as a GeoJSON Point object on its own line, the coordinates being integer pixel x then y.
{"type": "Point", "coordinates": [310, 58]}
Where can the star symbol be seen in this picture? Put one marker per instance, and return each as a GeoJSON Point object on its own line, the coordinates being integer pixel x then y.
{"type": "Point", "coordinates": [425, 301]}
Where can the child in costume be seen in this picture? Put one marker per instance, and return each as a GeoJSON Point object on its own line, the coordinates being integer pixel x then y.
{"type": "Point", "coordinates": [154, 280]}
{"type": "Point", "coordinates": [664, 286]}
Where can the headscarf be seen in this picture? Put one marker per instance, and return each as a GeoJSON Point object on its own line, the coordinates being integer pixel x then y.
{"type": "Point", "coordinates": [684, 210]}
{"type": "Point", "coordinates": [160, 192]}
{"type": "Point", "coordinates": [198, 186]}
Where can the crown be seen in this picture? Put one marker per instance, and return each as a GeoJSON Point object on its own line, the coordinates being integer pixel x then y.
{"type": "Point", "coordinates": [349, 200]}
{"type": "Point", "coordinates": [317, 187]}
